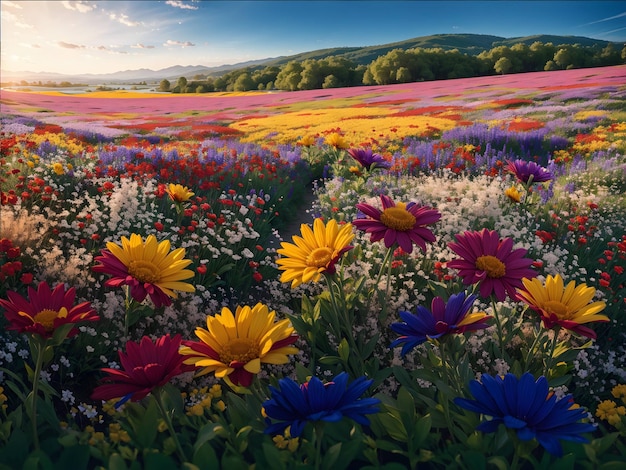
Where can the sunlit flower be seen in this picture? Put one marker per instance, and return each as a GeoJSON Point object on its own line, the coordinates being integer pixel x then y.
{"type": "Point", "coordinates": [315, 252]}
{"type": "Point", "coordinates": [490, 261]}
{"type": "Point", "coordinates": [529, 408]}
{"type": "Point", "coordinates": [58, 168]}
{"type": "Point", "coordinates": [306, 141]}
{"type": "Point", "coordinates": [404, 224]}
{"type": "Point", "coordinates": [443, 319]}
{"type": "Point", "coordinates": [46, 310]}
{"type": "Point", "coordinates": [144, 366]}
{"type": "Point", "coordinates": [337, 140]}
{"type": "Point", "coordinates": [149, 268]}
{"type": "Point", "coordinates": [513, 194]}
{"type": "Point", "coordinates": [610, 412]}
{"type": "Point", "coordinates": [237, 345]}
{"type": "Point", "coordinates": [295, 405]}
{"type": "Point", "coordinates": [369, 159]}
{"type": "Point", "coordinates": [178, 192]}
{"type": "Point", "coordinates": [566, 306]}
{"type": "Point", "coordinates": [528, 172]}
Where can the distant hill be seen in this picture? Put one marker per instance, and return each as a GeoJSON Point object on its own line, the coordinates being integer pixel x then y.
{"type": "Point", "coordinates": [471, 44]}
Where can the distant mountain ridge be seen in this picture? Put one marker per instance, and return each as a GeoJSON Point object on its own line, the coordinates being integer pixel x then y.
{"type": "Point", "coordinates": [472, 44]}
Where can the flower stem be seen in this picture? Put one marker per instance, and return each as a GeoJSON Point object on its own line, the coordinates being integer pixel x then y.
{"type": "Point", "coordinates": [40, 348]}
{"type": "Point", "coordinates": [385, 264]}
{"type": "Point", "coordinates": [168, 421]}
{"type": "Point", "coordinates": [127, 304]}
{"type": "Point", "coordinates": [498, 326]}
{"type": "Point", "coordinates": [318, 431]}
{"type": "Point", "coordinates": [550, 359]}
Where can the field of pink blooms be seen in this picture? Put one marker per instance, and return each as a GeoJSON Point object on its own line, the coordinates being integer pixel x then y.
{"type": "Point", "coordinates": [227, 179]}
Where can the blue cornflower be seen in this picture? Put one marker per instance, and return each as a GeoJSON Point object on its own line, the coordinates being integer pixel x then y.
{"type": "Point", "coordinates": [445, 318]}
{"type": "Point", "coordinates": [294, 405]}
{"type": "Point", "coordinates": [528, 407]}
{"type": "Point", "coordinates": [369, 159]}
{"type": "Point", "coordinates": [529, 172]}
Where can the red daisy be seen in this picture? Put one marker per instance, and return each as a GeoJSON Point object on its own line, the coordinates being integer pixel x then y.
{"type": "Point", "coordinates": [404, 224]}
{"type": "Point", "coordinates": [46, 310]}
{"type": "Point", "coordinates": [492, 262]}
{"type": "Point", "coordinates": [145, 366]}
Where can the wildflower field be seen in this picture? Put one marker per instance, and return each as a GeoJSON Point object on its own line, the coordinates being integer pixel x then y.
{"type": "Point", "coordinates": [453, 297]}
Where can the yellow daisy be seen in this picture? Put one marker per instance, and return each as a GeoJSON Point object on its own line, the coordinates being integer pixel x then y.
{"type": "Point", "coordinates": [566, 306]}
{"type": "Point", "coordinates": [315, 252]}
{"type": "Point", "coordinates": [149, 268]}
{"type": "Point", "coordinates": [235, 346]}
{"type": "Point", "coordinates": [178, 192]}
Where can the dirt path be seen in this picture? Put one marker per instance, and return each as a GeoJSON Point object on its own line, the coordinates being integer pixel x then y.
{"type": "Point", "coordinates": [305, 216]}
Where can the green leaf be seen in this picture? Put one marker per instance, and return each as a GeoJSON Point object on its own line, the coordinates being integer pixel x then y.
{"type": "Point", "coordinates": [205, 457]}
{"type": "Point", "coordinates": [394, 426]}
{"type": "Point", "coordinates": [344, 350]}
{"type": "Point", "coordinates": [116, 462]}
{"type": "Point", "coordinates": [207, 433]}
{"type": "Point", "coordinates": [331, 455]}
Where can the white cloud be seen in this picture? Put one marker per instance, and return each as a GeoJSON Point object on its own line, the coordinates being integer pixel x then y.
{"type": "Point", "coordinates": [170, 43]}
{"type": "Point", "coordinates": [141, 46]}
{"type": "Point", "coordinates": [123, 19]}
{"type": "Point", "coordinates": [14, 20]}
{"type": "Point", "coordinates": [68, 45]}
{"type": "Point", "coordinates": [30, 46]}
{"type": "Point", "coordinates": [609, 18]}
{"type": "Point", "coordinates": [179, 4]}
{"type": "Point", "coordinates": [80, 6]}
{"type": "Point", "coordinates": [7, 3]}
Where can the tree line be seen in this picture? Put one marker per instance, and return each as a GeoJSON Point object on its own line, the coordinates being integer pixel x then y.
{"type": "Point", "coordinates": [402, 66]}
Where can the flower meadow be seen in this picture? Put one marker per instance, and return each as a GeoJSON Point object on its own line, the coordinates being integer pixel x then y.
{"type": "Point", "coordinates": [426, 275]}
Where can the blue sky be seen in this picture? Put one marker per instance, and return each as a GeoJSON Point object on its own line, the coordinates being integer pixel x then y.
{"type": "Point", "coordinates": [77, 37]}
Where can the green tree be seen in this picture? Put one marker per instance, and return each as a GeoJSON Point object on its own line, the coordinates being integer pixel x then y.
{"type": "Point", "coordinates": [563, 57]}
{"type": "Point", "coordinates": [289, 76]}
{"type": "Point", "coordinates": [503, 65]}
{"type": "Point", "coordinates": [181, 83]}
{"type": "Point", "coordinates": [403, 75]}
{"type": "Point", "coordinates": [243, 83]}
{"type": "Point", "coordinates": [330, 82]}
{"type": "Point", "coordinates": [550, 65]}
{"type": "Point", "coordinates": [164, 85]}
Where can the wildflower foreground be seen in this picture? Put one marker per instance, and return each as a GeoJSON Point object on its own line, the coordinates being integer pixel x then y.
{"type": "Point", "coordinates": [454, 297]}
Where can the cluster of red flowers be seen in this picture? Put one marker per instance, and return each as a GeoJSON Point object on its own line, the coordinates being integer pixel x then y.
{"type": "Point", "coordinates": [10, 265]}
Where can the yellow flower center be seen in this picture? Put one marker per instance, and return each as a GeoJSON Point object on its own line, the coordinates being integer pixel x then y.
{"type": "Point", "coordinates": [398, 218]}
{"type": "Point", "coordinates": [46, 318]}
{"type": "Point", "coordinates": [144, 271]}
{"type": "Point", "coordinates": [319, 257]}
{"type": "Point", "coordinates": [557, 308]}
{"type": "Point", "coordinates": [491, 265]}
{"type": "Point", "coordinates": [240, 350]}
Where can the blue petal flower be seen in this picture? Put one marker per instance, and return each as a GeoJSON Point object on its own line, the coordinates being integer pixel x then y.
{"type": "Point", "coordinates": [295, 405]}
{"type": "Point", "coordinates": [442, 319]}
{"type": "Point", "coordinates": [528, 407]}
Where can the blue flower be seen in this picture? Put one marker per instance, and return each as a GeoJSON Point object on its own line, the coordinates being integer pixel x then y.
{"type": "Point", "coordinates": [294, 405]}
{"type": "Point", "coordinates": [529, 408]}
{"type": "Point", "coordinates": [445, 318]}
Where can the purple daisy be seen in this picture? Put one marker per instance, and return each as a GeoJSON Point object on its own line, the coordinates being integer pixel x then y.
{"type": "Point", "coordinates": [368, 159]}
{"type": "Point", "coordinates": [404, 224]}
{"type": "Point", "coordinates": [492, 262]}
{"type": "Point", "coordinates": [529, 172]}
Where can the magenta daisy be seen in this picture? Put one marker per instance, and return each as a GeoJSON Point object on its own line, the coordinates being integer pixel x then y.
{"type": "Point", "coordinates": [46, 310]}
{"type": "Point", "coordinates": [398, 223]}
{"type": "Point", "coordinates": [492, 262]}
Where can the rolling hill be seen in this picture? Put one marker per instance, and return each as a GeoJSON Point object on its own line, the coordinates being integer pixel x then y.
{"type": "Point", "coordinates": [471, 44]}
